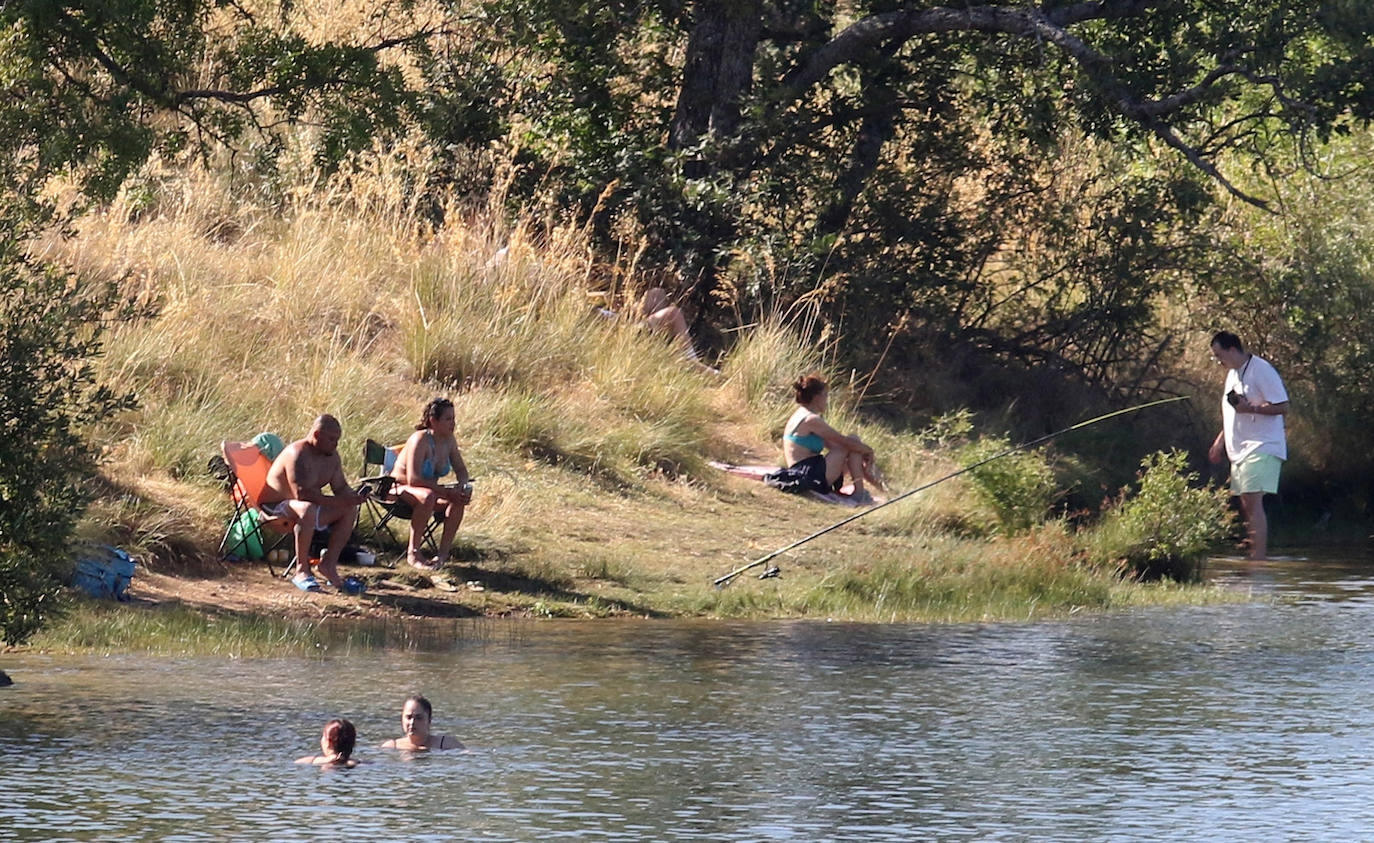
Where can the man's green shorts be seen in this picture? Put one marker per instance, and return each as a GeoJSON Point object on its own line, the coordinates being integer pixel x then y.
{"type": "Point", "coordinates": [1256, 473]}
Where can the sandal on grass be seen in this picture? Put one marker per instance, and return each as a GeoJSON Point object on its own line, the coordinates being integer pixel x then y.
{"type": "Point", "coordinates": [305, 582]}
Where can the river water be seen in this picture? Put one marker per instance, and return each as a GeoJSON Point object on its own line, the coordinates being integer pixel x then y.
{"type": "Point", "coordinates": [1249, 721]}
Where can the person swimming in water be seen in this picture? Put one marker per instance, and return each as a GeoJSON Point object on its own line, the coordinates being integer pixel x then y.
{"type": "Point", "coordinates": [430, 453]}
{"type": "Point", "coordinates": [336, 746]}
{"type": "Point", "coordinates": [416, 716]}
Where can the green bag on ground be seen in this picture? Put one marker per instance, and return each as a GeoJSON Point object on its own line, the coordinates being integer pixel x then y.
{"type": "Point", "coordinates": [245, 541]}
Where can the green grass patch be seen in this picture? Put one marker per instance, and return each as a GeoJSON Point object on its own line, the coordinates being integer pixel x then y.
{"type": "Point", "coordinates": [176, 631]}
{"type": "Point", "coordinates": [1036, 575]}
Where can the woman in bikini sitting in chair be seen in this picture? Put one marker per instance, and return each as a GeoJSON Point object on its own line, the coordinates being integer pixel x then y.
{"type": "Point", "coordinates": [430, 453]}
{"type": "Point", "coordinates": [806, 435]}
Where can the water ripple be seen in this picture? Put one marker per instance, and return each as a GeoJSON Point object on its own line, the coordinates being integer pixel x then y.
{"type": "Point", "coordinates": [1234, 721]}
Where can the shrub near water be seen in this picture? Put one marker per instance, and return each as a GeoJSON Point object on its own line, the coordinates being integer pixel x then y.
{"type": "Point", "coordinates": [1166, 529]}
{"type": "Point", "coordinates": [1019, 487]}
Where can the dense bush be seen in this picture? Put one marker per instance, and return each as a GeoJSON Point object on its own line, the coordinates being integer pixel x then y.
{"type": "Point", "coordinates": [1019, 487]}
{"type": "Point", "coordinates": [1166, 528]}
{"type": "Point", "coordinates": [49, 329]}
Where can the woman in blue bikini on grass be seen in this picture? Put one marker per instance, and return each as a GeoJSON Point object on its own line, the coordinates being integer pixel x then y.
{"type": "Point", "coordinates": [430, 453]}
{"type": "Point", "coordinates": [806, 435]}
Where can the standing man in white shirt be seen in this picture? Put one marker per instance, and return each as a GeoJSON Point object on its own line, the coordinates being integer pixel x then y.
{"type": "Point", "coordinates": [1252, 408]}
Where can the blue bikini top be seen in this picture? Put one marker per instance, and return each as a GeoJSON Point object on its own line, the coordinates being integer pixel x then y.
{"type": "Point", "coordinates": [427, 467]}
{"type": "Point", "coordinates": [811, 441]}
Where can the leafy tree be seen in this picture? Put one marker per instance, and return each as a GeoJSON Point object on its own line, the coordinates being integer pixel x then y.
{"type": "Point", "coordinates": [49, 330]}
{"type": "Point", "coordinates": [891, 155]}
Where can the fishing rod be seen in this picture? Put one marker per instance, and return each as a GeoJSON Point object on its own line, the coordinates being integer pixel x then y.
{"type": "Point", "coordinates": [721, 581]}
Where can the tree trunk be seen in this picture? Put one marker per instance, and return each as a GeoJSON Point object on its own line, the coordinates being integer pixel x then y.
{"type": "Point", "coordinates": [718, 71]}
{"type": "Point", "coordinates": [877, 129]}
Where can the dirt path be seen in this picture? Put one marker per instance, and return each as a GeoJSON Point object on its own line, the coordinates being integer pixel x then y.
{"type": "Point", "coordinates": [249, 589]}
{"type": "Point", "coordinates": [581, 552]}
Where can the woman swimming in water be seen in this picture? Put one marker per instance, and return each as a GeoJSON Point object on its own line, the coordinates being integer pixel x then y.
{"type": "Point", "coordinates": [415, 721]}
{"type": "Point", "coordinates": [336, 744]}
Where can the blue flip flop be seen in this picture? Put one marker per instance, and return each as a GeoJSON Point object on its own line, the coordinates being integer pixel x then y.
{"type": "Point", "coordinates": [305, 582]}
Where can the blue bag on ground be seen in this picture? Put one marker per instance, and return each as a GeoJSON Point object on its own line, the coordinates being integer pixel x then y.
{"type": "Point", "coordinates": [104, 571]}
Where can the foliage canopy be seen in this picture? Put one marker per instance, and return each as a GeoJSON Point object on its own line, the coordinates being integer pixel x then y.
{"type": "Point", "coordinates": [955, 184]}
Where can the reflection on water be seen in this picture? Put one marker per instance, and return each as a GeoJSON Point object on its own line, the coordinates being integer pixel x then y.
{"type": "Point", "coordinates": [1234, 721]}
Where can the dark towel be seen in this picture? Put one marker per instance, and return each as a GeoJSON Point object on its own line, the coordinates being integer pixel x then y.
{"type": "Point", "coordinates": [805, 476]}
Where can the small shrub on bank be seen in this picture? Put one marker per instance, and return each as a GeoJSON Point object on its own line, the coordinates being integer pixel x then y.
{"type": "Point", "coordinates": [1166, 528]}
{"type": "Point", "coordinates": [1019, 487]}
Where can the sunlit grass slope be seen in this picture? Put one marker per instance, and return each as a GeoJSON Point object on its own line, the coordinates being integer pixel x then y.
{"type": "Point", "coordinates": [589, 436]}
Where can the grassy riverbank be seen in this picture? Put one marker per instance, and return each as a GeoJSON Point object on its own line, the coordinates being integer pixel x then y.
{"type": "Point", "coordinates": [589, 437]}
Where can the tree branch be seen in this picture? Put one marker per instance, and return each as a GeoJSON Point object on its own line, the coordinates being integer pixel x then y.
{"type": "Point", "coordinates": [894, 28]}
{"type": "Point", "coordinates": [122, 75]}
{"type": "Point", "coordinates": [1166, 133]}
{"type": "Point", "coordinates": [246, 97]}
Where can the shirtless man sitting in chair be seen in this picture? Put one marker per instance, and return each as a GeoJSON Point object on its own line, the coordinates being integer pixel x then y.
{"type": "Point", "coordinates": [294, 491]}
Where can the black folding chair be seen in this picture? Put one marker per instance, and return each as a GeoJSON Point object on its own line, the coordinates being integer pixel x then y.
{"type": "Point", "coordinates": [382, 505]}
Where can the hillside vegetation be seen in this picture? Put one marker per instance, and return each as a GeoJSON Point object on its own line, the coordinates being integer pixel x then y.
{"type": "Point", "coordinates": [983, 222]}
{"type": "Point", "coordinates": [589, 436]}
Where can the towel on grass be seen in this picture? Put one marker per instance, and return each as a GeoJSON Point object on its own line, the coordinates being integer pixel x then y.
{"type": "Point", "coordinates": [752, 472]}
{"type": "Point", "coordinates": [758, 472]}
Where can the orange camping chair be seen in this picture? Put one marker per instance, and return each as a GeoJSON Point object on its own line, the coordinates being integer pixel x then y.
{"type": "Point", "coordinates": [247, 479]}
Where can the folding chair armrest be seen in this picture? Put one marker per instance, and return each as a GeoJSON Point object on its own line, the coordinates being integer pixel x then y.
{"type": "Point", "coordinates": [379, 486]}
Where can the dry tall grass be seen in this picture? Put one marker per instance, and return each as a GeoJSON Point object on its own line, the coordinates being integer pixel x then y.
{"type": "Point", "coordinates": [588, 435]}
{"type": "Point", "coordinates": [346, 301]}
